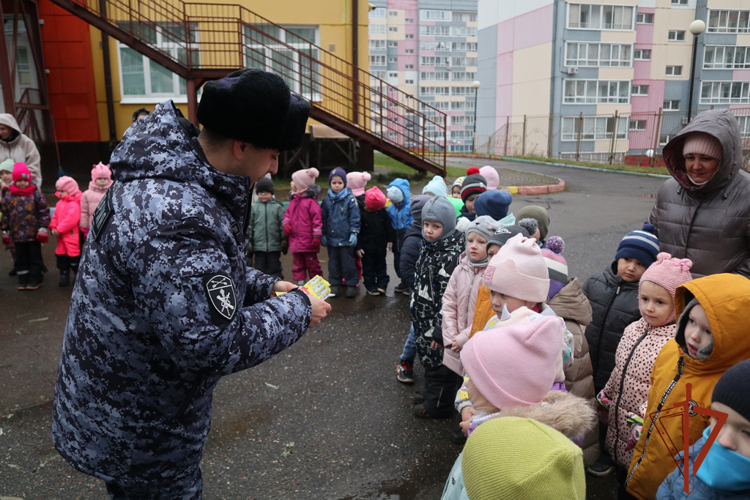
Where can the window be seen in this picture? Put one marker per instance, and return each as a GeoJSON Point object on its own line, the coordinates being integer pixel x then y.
{"type": "Point", "coordinates": [409, 21]}
{"type": "Point", "coordinates": [463, 76]}
{"type": "Point", "coordinates": [600, 17]}
{"type": "Point", "coordinates": [725, 93]}
{"type": "Point", "coordinates": [435, 30]}
{"type": "Point", "coordinates": [464, 46]}
{"type": "Point", "coordinates": [637, 125]}
{"type": "Point", "coordinates": [409, 82]}
{"type": "Point", "coordinates": [438, 76]}
{"type": "Point", "coordinates": [457, 148]}
{"type": "Point", "coordinates": [462, 105]}
{"type": "Point", "coordinates": [392, 44]}
{"type": "Point", "coordinates": [393, 13]}
{"type": "Point", "coordinates": [464, 17]}
{"type": "Point", "coordinates": [377, 60]}
{"type": "Point", "coordinates": [434, 61]}
{"type": "Point", "coordinates": [463, 90]}
{"type": "Point", "coordinates": [441, 106]}
{"type": "Point", "coordinates": [744, 125]}
{"type": "Point", "coordinates": [409, 51]}
{"type": "Point", "coordinates": [463, 61]}
{"type": "Point", "coordinates": [377, 44]}
{"type": "Point", "coordinates": [671, 105]}
{"type": "Point", "coordinates": [674, 70]}
{"type": "Point", "coordinates": [435, 15]}
{"type": "Point", "coordinates": [679, 2]}
{"type": "Point", "coordinates": [598, 54]}
{"type": "Point", "coordinates": [676, 36]}
{"type": "Point", "coordinates": [462, 120]}
{"type": "Point", "coordinates": [142, 77]}
{"type": "Point", "coordinates": [595, 128]}
{"type": "Point", "coordinates": [409, 36]}
{"type": "Point", "coordinates": [393, 60]}
{"type": "Point", "coordinates": [392, 29]}
{"type": "Point", "coordinates": [434, 90]}
{"type": "Point", "coordinates": [409, 66]}
{"type": "Point", "coordinates": [393, 74]}
{"type": "Point", "coordinates": [463, 31]}
{"type": "Point", "coordinates": [644, 18]}
{"type": "Point", "coordinates": [596, 92]}
{"type": "Point", "coordinates": [726, 57]}
{"type": "Point", "coordinates": [642, 54]}
{"type": "Point", "coordinates": [728, 21]}
{"type": "Point", "coordinates": [435, 46]}
{"type": "Point", "coordinates": [378, 13]}
{"type": "Point", "coordinates": [461, 134]}
{"type": "Point", "coordinates": [377, 29]}
{"type": "Point", "coordinates": [640, 90]}
{"type": "Point", "coordinates": [23, 66]}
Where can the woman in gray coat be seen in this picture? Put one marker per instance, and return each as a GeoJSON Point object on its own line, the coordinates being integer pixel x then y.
{"type": "Point", "coordinates": [703, 212]}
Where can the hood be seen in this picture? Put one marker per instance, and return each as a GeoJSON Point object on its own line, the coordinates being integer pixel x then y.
{"type": "Point", "coordinates": [76, 198]}
{"type": "Point", "coordinates": [164, 145]}
{"type": "Point", "coordinates": [726, 299]}
{"type": "Point", "coordinates": [465, 263]}
{"type": "Point", "coordinates": [571, 303]}
{"type": "Point", "coordinates": [721, 124]}
{"type": "Point", "coordinates": [403, 185]}
{"type": "Point", "coordinates": [94, 187]}
{"type": "Point", "coordinates": [9, 121]}
{"type": "Point", "coordinates": [311, 192]}
{"type": "Point", "coordinates": [570, 415]}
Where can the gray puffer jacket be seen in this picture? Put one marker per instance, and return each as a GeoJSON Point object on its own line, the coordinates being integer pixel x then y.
{"type": "Point", "coordinates": [708, 224]}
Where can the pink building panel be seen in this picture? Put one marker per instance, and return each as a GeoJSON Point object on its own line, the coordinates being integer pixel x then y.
{"type": "Point", "coordinates": [505, 69]}
{"type": "Point", "coordinates": [644, 33]}
{"type": "Point", "coordinates": [504, 106]}
{"type": "Point", "coordinates": [641, 70]}
{"type": "Point", "coordinates": [741, 75]}
{"type": "Point", "coordinates": [526, 30]}
{"type": "Point", "coordinates": [653, 101]}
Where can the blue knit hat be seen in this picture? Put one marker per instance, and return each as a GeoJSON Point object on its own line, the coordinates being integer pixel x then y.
{"type": "Point", "coordinates": [641, 245]}
{"type": "Point", "coordinates": [493, 203]}
{"type": "Point", "coordinates": [337, 172]}
{"type": "Point", "coordinates": [436, 187]}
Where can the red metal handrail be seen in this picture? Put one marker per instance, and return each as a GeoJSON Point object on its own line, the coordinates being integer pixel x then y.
{"type": "Point", "coordinates": [206, 37]}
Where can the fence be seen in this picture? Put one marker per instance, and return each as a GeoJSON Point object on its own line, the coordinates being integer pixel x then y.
{"type": "Point", "coordinates": [634, 138]}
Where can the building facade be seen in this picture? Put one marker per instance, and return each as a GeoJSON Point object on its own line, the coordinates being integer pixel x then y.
{"type": "Point", "coordinates": [593, 80]}
{"type": "Point", "coordinates": [428, 49]}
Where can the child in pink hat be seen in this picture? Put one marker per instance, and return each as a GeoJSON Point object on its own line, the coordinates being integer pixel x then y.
{"type": "Point", "coordinates": [357, 182]}
{"type": "Point", "coordinates": [626, 393]}
{"type": "Point", "coordinates": [303, 225]}
{"type": "Point", "coordinates": [64, 226]}
{"type": "Point", "coordinates": [101, 179]}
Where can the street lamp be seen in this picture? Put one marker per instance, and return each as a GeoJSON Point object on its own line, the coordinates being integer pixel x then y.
{"type": "Point", "coordinates": [476, 86]}
{"type": "Point", "coordinates": [696, 28]}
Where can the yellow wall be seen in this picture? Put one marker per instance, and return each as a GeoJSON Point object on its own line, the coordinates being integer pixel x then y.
{"type": "Point", "coordinates": [333, 19]}
{"type": "Point", "coordinates": [531, 86]}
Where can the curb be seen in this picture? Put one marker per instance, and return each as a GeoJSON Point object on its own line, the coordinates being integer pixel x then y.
{"type": "Point", "coordinates": [550, 188]}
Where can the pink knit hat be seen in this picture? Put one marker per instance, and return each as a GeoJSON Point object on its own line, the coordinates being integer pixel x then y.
{"type": "Point", "coordinates": [514, 365]}
{"type": "Point", "coordinates": [357, 181]}
{"type": "Point", "coordinates": [21, 171]}
{"type": "Point", "coordinates": [305, 179]}
{"type": "Point", "coordinates": [490, 175]}
{"type": "Point", "coordinates": [67, 184]}
{"type": "Point", "coordinates": [101, 170]}
{"type": "Point", "coordinates": [519, 270]}
{"type": "Point", "coordinates": [702, 143]}
{"type": "Point", "coordinates": [668, 273]}
{"type": "Point", "coordinates": [374, 199]}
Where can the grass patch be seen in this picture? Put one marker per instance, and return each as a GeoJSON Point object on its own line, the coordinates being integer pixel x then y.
{"type": "Point", "coordinates": [397, 169]}
{"type": "Point", "coordinates": [606, 166]}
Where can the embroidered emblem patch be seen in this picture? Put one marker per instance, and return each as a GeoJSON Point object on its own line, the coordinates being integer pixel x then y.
{"type": "Point", "coordinates": [221, 293]}
{"type": "Point", "coordinates": [502, 230]}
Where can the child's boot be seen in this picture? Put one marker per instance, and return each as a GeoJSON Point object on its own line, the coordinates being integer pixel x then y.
{"type": "Point", "coordinates": [351, 292]}
{"type": "Point", "coordinates": [64, 277]}
{"type": "Point", "coordinates": [405, 372]}
{"type": "Point", "coordinates": [23, 280]}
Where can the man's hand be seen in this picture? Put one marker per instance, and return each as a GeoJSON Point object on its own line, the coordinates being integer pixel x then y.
{"type": "Point", "coordinates": [282, 286]}
{"type": "Point", "coordinates": [320, 309]}
{"type": "Point", "coordinates": [389, 246]}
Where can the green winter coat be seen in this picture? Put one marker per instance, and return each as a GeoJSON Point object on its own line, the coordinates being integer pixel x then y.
{"type": "Point", "coordinates": [266, 229]}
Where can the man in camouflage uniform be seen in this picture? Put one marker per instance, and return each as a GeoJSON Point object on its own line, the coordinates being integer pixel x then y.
{"type": "Point", "coordinates": [164, 305]}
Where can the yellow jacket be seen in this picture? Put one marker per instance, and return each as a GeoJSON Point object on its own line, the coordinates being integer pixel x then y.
{"type": "Point", "coordinates": [726, 300]}
{"type": "Point", "coordinates": [483, 311]}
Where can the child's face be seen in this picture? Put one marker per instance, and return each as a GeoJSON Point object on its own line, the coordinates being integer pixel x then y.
{"type": "Point", "coordinates": [6, 176]}
{"type": "Point", "coordinates": [337, 184]}
{"type": "Point", "coordinates": [102, 181]}
{"type": "Point", "coordinates": [62, 193]}
{"type": "Point", "coordinates": [264, 196]}
{"type": "Point", "coordinates": [456, 191]}
{"type": "Point", "coordinates": [479, 402]}
{"type": "Point", "coordinates": [492, 250]}
{"type": "Point", "coordinates": [498, 300]}
{"type": "Point", "coordinates": [629, 269]}
{"type": "Point", "coordinates": [22, 183]}
{"type": "Point", "coordinates": [698, 331]}
{"type": "Point", "coordinates": [293, 186]}
{"type": "Point", "coordinates": [476, 247]}
{"type": "Point", "coordinates": [735, 434]}
{"type": "Point", "coordinates": [656, 303]}
{"type": "Point", "coordinates": [432, 230]}
{"type": "Point", "coordinates": [470, 203]}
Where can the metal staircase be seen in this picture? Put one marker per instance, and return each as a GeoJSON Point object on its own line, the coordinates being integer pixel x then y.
{"type": "Point", "coordinates": [203, 41]}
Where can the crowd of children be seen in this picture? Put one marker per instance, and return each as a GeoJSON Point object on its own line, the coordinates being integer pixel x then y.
{"type": "Point", "coordinates": [546, 377]}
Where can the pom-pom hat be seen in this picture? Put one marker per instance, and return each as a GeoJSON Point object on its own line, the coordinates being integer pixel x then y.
{"type": "Point", "coordinates": [518, 270]}
{"type": "Point", "coordinates": [357, 181]}
{"type": "Point", "coordinates": [641, 245]}
{"type": "Point", "coordinates": [557, 266]}
{"type": "Point", "coordinates": [304, 179]}
{"type": "Point", "coordinates": [474, 183]}
{"type": "Point", "coordinates": [491, 176]}
{"type": "Point", "coordinates": [374, 199]}
{"type": "Point", "coordinates": [668, 273]}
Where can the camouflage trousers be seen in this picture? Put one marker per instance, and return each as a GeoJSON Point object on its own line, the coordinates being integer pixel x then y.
{"type": "Point", "coordinates": [189, 487]}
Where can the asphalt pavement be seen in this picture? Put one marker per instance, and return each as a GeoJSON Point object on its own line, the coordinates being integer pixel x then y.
{"type": "Point", "coordinates": [327, 418]}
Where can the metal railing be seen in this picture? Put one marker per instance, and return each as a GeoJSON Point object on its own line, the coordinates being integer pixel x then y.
{"type": "Point", "coordinates": [205, 37]}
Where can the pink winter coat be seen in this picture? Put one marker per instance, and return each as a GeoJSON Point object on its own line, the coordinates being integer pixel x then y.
{"type": "Point", "coordinates": [89, 201]}
{"type": "Point", "coordinates": [635, 357]}
{"type": "Point", "coordinates": [459, 302]}
{"type": "Point", "coordinates": [303, 222]}
{"type": "Point", "coordinates": [65, 219]}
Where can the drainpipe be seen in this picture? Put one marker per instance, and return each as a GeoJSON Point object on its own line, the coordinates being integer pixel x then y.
{"type": "Point", "coordinates": [108, 81]}
{"type": "Point", "coordinates": [355, 61]}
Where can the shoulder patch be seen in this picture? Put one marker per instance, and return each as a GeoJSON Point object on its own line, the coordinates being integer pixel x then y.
{"type": "Point", "coordinates": [102, 214]}
{"type": "Point", "coordinates": [220, 290]}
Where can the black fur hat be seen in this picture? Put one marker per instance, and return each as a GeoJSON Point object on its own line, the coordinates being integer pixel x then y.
{"type": "Point", "coordinates": [254, 106]}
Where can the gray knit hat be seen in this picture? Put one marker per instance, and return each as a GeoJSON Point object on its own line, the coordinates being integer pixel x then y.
{"type": "Point", "coordinates": [439, 209]}
{"type": "Point", "coordinates": [503, 234]}
{"type": "Point", "coordinates": [417, 204]}
{"type": "Point", "coordinates": [484, 226]}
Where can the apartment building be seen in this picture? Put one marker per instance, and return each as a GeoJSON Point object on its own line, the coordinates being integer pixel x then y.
{"type": "Point", "coordinates": [428, 49]}
{"type": "Point", "coordinates": [599, 72]}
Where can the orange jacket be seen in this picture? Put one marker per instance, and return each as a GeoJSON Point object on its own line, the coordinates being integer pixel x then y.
{"type": "Point", "coordinates": [726, 300]}
{"type": "Point", "coordinates": [482, 312]}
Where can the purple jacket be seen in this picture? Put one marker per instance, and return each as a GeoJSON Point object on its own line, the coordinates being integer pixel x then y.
{"type": "Point", "coordinates": [303, 221]}
{"type": "Point", "coordinates": [24, 215]}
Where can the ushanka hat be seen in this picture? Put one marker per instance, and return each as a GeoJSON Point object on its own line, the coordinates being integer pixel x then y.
{"type": "Point", "coordinates": [254, 106]}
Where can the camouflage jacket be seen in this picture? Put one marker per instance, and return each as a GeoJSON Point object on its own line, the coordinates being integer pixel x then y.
{"type": "Point", "coordinates": [163, 307]}
{"type": "Point", "coordinates": [24, 215]}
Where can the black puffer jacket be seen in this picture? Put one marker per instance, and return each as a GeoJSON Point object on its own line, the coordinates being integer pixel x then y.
{"type": "Point", "coordinates": [614, 303]}
{"type": "Point", "coordinates": [708, 224]}
{"type": "Point", "coordinates": [410, 253]}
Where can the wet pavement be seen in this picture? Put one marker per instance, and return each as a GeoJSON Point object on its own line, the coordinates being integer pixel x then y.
{"type": "Point", "coordinates": [326, 418]}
